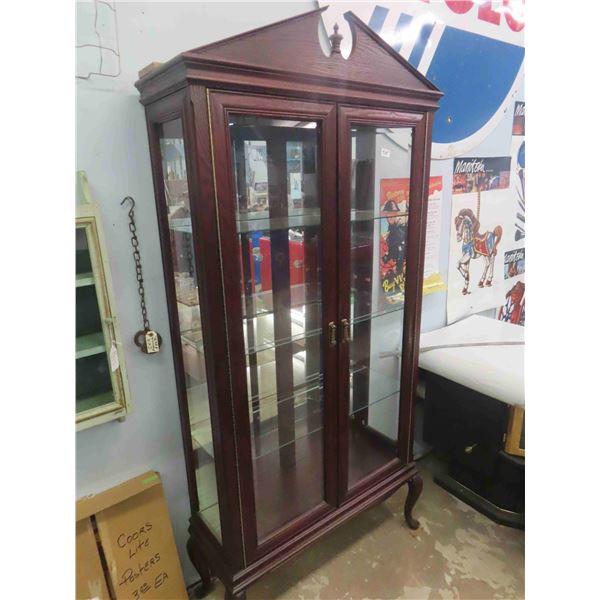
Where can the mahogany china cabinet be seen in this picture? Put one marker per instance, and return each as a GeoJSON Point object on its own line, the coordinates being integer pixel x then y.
{"type": "Point", "coordinates": [290, 185]}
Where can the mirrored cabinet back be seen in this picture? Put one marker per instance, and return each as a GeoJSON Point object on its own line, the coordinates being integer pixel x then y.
{"type": "Point", "coordinates": [290, 190]}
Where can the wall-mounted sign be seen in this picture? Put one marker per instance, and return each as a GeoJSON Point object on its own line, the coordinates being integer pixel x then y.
{"type": "Point", "coordinates": [481, 216]}
{"type": "Point", "coordinates": [480, 174]}
{"type": "Point", "coordinates": [472, 51]}
{"type": "Point", "coordinates": [519, 119]}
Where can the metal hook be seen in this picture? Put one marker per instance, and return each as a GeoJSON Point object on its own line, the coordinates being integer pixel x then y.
{"type": "Point", "coordinates": [128, 198]}
{"type": "Point", "coordinates": [132, 204]}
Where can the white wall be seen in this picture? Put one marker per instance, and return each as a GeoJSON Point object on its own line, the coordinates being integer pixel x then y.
{"type": "Point", "coordinates": [112, 148]}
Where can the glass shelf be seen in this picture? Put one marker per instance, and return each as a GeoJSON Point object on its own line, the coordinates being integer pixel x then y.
{"type": "Point", "coordinates": [381, 386]}
{"type": "Point", "coordinates": [265, 376]}
{"type": "Point", "coordinates": [377, 401]}
{"type": "Point", "coordinates": [372, 215]}
{"type": "Point", "coordinates": [210, 515]}
{"type": "Point", "coordinates": [268, 406]}
{"type": "Point", "coordinates": [312, 382]}
{"type": "Point", "coordinates": [189, 298]}
{"type": "Point", "coordinates": [268, 443]}
{"type": "Point", "coordinates": [262, 215]}
{"type": "Point", "coordinates": [193, 337]}
{"type": "Point", "coordinates": [83, 279]}
{"type": "Point", "coordinates": [183, 225]}
{"type": "Point", "coordinates": [208, 497]}
{"type": "Point", "coordinates": [262, 301]}
{"type": "Point", "coordinates": [270, 344]}
{"type": "Point", "coordinates": [268, 425]}
{"type": "Point", "coordinates": [261, 312]}
{"type": "Point", "coordinates": [374, 315]}
{"type": "Point", "coordinates": [262, 221]}
{"type": "Point", "coordinates": [88, 345]}
{"type": "Point", "coordinates": [202, 436]}
{"type": "Point", "coordinates": [199, 412]}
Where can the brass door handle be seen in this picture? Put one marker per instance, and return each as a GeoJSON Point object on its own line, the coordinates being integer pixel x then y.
{"type": "Point", "coordinates": [332, 334]}
{"type": "Point", "coordinates": [345, 330]}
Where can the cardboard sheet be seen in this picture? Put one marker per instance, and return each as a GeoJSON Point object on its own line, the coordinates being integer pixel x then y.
{"type": "Point", "coordinates": [136, 540]}
{"type": "Point", "coordinates": [90, 582]}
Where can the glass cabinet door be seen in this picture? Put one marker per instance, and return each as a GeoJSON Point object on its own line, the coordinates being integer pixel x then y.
{"type": "Point", "coordinates": [276, 194]}
{"type": "Point", "coordinates": [278, 218]}
{"type": "Point", "coordinates": [375, 204]}
{"type": "Point", "coordinates": [190, 338]}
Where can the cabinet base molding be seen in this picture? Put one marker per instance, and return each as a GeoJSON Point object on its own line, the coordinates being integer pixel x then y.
{"type": "Point", "coordinates": [201, 546]}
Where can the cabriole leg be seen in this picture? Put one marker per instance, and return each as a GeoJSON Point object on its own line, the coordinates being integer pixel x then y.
{"type": "Point", "coordinates": [415, 487]}
{"type": "Point", "coordinates": [203, 569]}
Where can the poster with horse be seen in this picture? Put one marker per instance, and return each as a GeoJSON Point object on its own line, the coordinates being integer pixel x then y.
{"type": "Point", "coordinates": [481, 216]}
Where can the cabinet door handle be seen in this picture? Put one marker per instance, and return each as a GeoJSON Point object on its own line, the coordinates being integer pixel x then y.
{"type": "Point", "coordinates": [332, 334]}
{"type": "Point", "coordinates": [345, 330]}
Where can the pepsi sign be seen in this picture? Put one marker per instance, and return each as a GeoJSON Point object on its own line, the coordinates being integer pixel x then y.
{"type": "Point", "coordinates": [472, 51]}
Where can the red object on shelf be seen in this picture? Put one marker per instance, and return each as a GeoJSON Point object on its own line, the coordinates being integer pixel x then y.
{"type": "Point", "coordinates": [251, 258]}
{"type": "Point", "coordinates": [296, 263]}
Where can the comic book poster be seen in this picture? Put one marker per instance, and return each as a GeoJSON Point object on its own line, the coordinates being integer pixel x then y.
{"type": "Point", "coordinates": [394, 194]}
{"type": "Point", "coordinates": [480, 174]}
{"type": "Point", "coordinates": [481, 218]}
{"type": "Point", "coordinates": [432, 280]}
{"type": "Point", "coordinates": [514, 263]}
{"type": "Point", "coordinates": [513, 308]}
{"type": "Point", "coordinates": [519, 119]}
{"type": "Point", "coordinates": [518, 187]}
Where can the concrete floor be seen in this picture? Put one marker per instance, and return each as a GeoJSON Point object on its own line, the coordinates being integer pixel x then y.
{"type": "Point", "coordinates": [456, 553]}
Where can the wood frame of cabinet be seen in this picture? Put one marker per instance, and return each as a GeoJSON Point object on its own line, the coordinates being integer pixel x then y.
{"type": "Point", "coordinates": [203, 87]}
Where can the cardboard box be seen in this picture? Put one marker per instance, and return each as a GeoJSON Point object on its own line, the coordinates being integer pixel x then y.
{"type": "Point", "coordinates": [125, 544]}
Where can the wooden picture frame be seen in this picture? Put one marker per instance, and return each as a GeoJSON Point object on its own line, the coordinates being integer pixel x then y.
{"type": "Point", "coordinates": [104, 343]}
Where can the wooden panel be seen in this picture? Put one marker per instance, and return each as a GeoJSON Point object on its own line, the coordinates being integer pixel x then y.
{"type": "Point", "coordinates": [373, 71]}
{"type": "Point", "coordinates": [370, 60]}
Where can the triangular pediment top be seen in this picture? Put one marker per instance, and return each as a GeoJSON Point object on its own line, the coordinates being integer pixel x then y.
{"type": "Point", "coordinates": [293, 46]}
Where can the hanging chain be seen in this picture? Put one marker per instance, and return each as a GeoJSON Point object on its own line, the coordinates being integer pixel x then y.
{"type": "Point", "coordinates": [152, 340]}
{"type": "Point", "coordinates": [138, 263]}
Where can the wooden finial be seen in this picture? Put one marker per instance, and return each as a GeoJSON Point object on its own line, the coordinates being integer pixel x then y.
{"type": "Point", "coordinates": [335, 38]}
